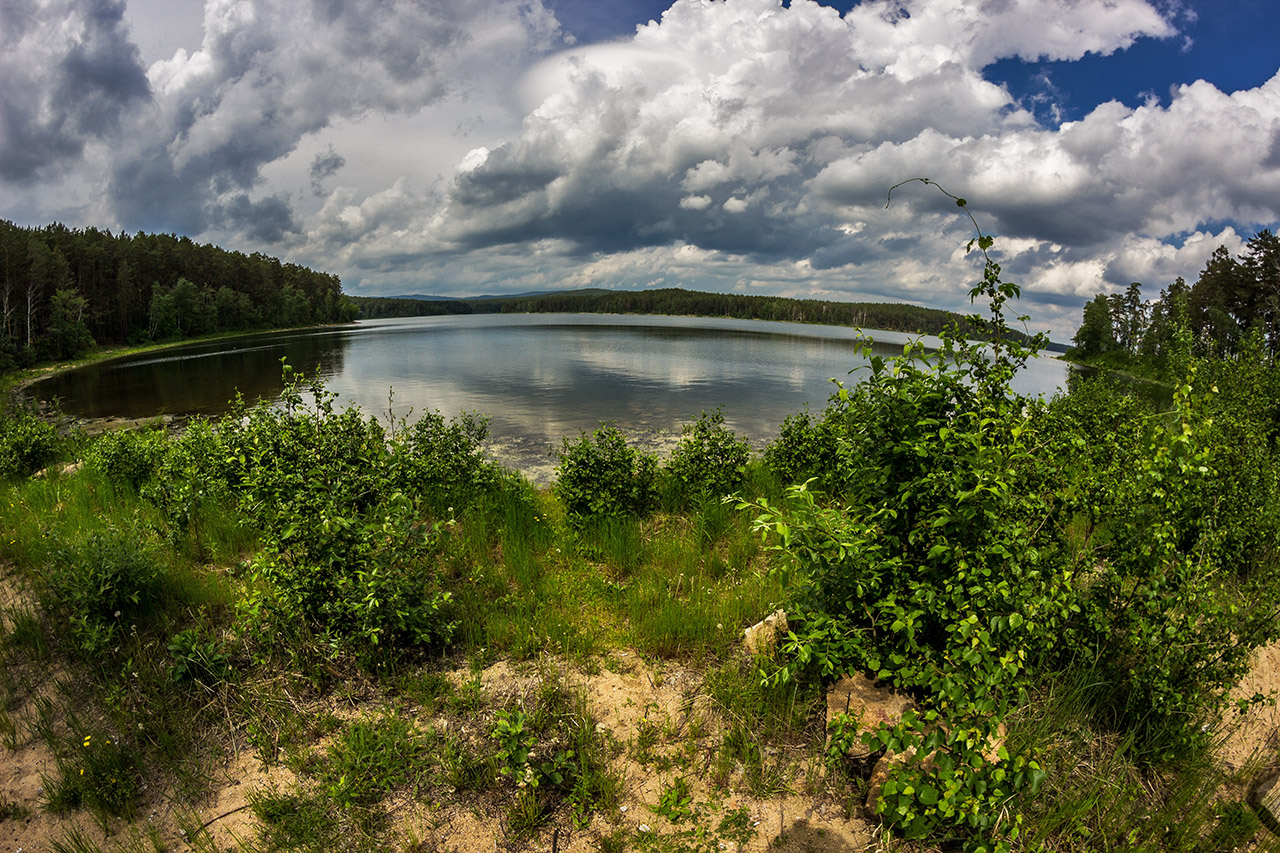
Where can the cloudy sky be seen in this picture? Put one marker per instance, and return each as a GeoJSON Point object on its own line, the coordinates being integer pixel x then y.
{"type": "Point", "coordinates": [486, 146]}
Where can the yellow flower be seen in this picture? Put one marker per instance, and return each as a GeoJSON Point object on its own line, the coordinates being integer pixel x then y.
{"type": "Point", "coordinates": [87, 738]}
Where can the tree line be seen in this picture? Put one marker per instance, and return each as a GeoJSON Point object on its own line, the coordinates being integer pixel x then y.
{"type": "Point", "coordinates": [1233, 305]}
{"type": "Point", "coordinates": [675, 301]}
{"type": "Point", "coordinates": [63, 290]}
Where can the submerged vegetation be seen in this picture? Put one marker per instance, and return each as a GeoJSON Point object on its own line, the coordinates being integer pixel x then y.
{"type": "Point", "coordinates": [1066, 591]}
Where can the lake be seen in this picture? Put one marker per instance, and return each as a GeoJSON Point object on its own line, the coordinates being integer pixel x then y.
{"type": "Point", "coordinates": [538, 376]}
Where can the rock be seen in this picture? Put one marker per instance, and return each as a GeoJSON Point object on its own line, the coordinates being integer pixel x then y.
{"type": "Point", "coordinates": [65, 470]}
{"type": "Point", "coordinates": [858, 696]}
{"type": "Point", "coordinates": [1265, 798]}
{"type": "Point", "coordinates": [762, 637]}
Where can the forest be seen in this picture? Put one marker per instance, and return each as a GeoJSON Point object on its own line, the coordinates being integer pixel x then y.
{"type": "Point", "coordinates": [1233, 307]}
{"type": "Point", "coordinates": [676, 301]}
{"type": "Point", "coordinates": [63, 291]}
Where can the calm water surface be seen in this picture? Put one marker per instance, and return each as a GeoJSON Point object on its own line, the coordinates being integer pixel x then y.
{"type": "Point", "coordinates": [538, 376]}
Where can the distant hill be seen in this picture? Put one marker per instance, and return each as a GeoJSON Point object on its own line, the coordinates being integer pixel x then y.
{"type": "Point", "coordinates": [675, 301]}
{"type": "Point", "coordinates": [486, 297]}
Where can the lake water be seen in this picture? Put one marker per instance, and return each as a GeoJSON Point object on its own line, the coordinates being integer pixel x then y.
{"type": "Point", "coordinates": [538, 376]}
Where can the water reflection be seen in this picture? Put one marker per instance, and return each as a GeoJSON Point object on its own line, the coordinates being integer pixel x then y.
{"type": "Point", "coordinates": [539, 377]}
{"type": "Point", "coordinates": [193, 379]}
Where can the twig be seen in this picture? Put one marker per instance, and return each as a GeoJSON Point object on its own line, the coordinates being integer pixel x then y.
{"type": "Point", "coordinates": [212, 820]}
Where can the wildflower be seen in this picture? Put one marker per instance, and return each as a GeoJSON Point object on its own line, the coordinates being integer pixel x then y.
{"type": "Point", "coordinates": [87, 738]}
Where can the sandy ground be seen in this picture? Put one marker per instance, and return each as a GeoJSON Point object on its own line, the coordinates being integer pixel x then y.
{"type": "Point", "coordinates": [1255, 736]}
{"type": "Point", "coordinates": [621, 695]}
{"type": "Point", "coordinates": [625, 693]}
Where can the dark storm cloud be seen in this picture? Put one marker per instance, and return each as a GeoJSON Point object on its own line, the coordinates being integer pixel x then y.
{"type": "Point", "coordinates": [267, 220]}
{"type": "Point", "coordinates": [70, 75]}
{"type": "Point", "coordinates": [272, 72]}
{"type": "Point", "coordinates": [150, 195]}
{"type": "Point", "coordinates": [325, 166]}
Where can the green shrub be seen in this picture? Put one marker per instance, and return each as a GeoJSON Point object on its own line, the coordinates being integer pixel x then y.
{"type": "Point", "coordinates": [440, 461]}
{"type": "Point", "coordinates": [806, 447]}
{"type": "Point", "coordinates": [363, 582]}
{"type": "Point", "coordinates": [196, 469]}
{"type": "Point", "coordinates": [960, 563]}
{"type": "Point", "coordinates": [27, 444]}
{"type": "Point", "coordinates": [709, 461]}
{"type": "Point", "coordinates": [936, 570]}
{"type": "Point", "coordinates": [128, 456]}
{"type": "Point", "coordinates": [104, 582]}
{"type": "Point", "coordinates": [599, 475]}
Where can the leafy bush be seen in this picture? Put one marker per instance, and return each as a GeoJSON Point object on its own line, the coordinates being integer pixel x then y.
{"type": "Point", "coordinates": [599, 475]}
{"type": "Point", "coordinates": [709, 461]}
{"type": "Point", "coordinates": [1172, 616]}
{"type": "Point", "coordinates": [199, 467]}
{"type": "Point", "coordinates": [128, 456]}
{"type": "Point", "coordinates": [961, 561]}
{"type": "Point", "coordinates": [361, 581]}
{"type": "Point", "coordinates": [104, 582]}
{"type": "Point", "coordinates": [440, 461]}
{"type": "Point", "coordinates": [27, 444]}
{"type": "Point", "coordinates": [347, 554]}
{"type": "Point", "coordinates": [806, 448]}
{"type": "Point", "coordinates": [937, 573]}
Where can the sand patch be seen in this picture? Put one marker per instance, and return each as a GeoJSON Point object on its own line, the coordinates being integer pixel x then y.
{"type": "Point", "coordinates": [1256, 733]}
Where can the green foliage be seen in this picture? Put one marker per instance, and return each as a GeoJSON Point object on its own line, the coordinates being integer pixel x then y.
{"type": "Point", "coordinates": [348, 553]}
{"type": "Point", "coordinates": [675, 803]}
{"type": "Point", "coordinates": [102, 582]}
{"type": "Point", "coordinates": [806, 448]}
{"type": "Point", "coordinates": [709, 461]}
{"type": "Point", "coordinates": [27, 444]}
{"type": "Point", "coordinates": [1237, 826]}
{"type": "Point", "coordinates": [441, 461]}
{"type": "Point", "coordinates": [514, 744]}
{"type": "Point", "coordinates": [74, 287]}
{"type": "Point", "coordinates": [99, 774]}
{"type": "Point", "coordinates": [294, 822]}
{"type": "Point", "coordinates": [195, 658]}
{"type": "Point", "coordinates": [1164, 617]}
{"type": "Point", "coordinates": [128, 456]}
{"type": "Point", "coordinates": [599, 475]}
{"type": "Point", "coordinates": [371, 758]}
{"type": "Point", "coordinates": [939, 574]}
{"type": "Point", "coordinates": [1095, 335]}
{"type": "Point", "coordinates": [990, 535]}
{"type": "Point", "coordinates": [1233, 300]}
{"type": "Point", "coordinates": [68, 335]}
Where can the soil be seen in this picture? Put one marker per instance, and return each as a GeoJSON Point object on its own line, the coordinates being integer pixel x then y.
{"type": "Point", "coordinates": [622, 691]}
{"type": "Point", "coordinates": [1255, 735]}
{"type": "Point", "coordinates": [625, 694]}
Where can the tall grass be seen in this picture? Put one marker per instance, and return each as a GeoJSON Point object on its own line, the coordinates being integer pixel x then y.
{"type": "Point", "coordinates": [1101, 793]}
